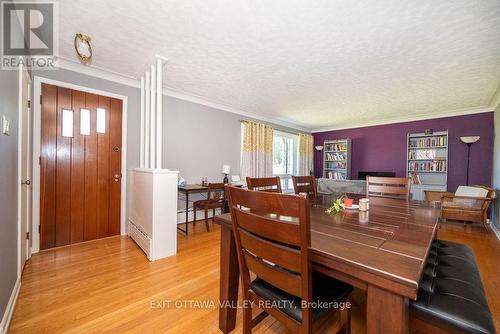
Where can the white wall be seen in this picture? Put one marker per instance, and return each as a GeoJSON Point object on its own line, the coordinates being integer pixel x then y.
{"type": "Point", "coordinates": [496, 169]}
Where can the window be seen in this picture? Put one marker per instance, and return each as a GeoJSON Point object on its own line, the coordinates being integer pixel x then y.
{"type": "Point", "coordinates": [67, 123]}
{"type": "Point", "coordinates": [285, 163]}
{"type": "Point", "coordinates": [101, 120]}
{"type": "Point", "coordinates": [85, 122]}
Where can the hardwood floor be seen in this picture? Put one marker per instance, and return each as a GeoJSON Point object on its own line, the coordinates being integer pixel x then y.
{"type": "Point", "coordinates": [109, 286]}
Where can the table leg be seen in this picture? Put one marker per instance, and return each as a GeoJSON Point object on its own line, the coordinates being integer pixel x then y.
{"type": "Point", "coordinates": [386, 312]}
{"type": "Point", "coordinates": [229, 276]}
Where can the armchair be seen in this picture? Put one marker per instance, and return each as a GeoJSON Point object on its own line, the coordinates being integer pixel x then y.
{"type": "Point", "coordinates": [466, 204]}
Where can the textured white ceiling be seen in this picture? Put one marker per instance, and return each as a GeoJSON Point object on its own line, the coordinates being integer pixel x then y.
{"type": "Point", "coordinates": [314, 63]}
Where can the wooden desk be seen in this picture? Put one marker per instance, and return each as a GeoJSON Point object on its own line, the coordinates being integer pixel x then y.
{"type": "Point", "coordinates": [187, 189]}
{"type": "Point", "coordinates": [382, 251]}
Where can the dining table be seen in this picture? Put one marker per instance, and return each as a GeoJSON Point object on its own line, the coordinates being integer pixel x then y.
{"type": "Point", "coordinates": [190, 189]}
{"type": "Point", "coordinates": [382, 250]}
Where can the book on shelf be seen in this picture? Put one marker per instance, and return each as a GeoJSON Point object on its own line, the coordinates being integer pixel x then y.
{"type": "Point", "coordinates": [424, 154]}
{"type": "Point", "coordinates": [337, 175]}
{"type": "Point", "coordinates": [415, 178]}
{"type": "Point", "coordinates": [335, 165]}
{"type": "Point", "coordinates": [438, 141]}
{"type": "Point", "coordinates": [335, 156]}
{"type": "Point", "coordinates": [336, 147]}
{"type": "Point", "coordinates": [427, 166]}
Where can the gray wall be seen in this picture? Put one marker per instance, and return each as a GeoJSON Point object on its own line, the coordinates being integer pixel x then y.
{"type": "Point", "coordinates": [198, 140]}
{"type": "Point", "coordinates": [9, 106]}
{"type": "Point", "coordinates": [496, 169]}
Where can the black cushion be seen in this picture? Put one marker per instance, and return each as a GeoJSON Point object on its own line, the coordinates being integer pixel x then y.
{"type": "Point", "coordinates": [325, 290]}
{"type": "Point", "coordinates": [451, 248]}
{"type": "Point", "coordinates": [451, 295]}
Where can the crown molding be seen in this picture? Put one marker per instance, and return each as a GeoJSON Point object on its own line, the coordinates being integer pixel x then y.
{"type": "Point", "coordinates": [120, 78]}
{"type": "Point", "coordinates": [97, 72]}
{"type": "Point", "coordinates": [202, 101]}
{"type": "Point", "coordinates": [495, 99]}
{"type": "Point", "coordinates": [116, 77]}
{"type": "Point", "coordinates": [402, 119]}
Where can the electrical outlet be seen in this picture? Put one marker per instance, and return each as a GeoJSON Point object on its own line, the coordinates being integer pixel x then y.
{"type": "Point", "coordinates": [6, 125]}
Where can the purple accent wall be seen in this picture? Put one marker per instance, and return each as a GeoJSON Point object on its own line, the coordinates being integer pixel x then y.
{"type": "Point", "coordinates": [382, 148]}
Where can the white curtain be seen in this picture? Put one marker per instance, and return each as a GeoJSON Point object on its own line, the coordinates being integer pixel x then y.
{"type": "Point", "coordinates": [257, 150]}
{"type": "Point", "coordinates": [305, 154]}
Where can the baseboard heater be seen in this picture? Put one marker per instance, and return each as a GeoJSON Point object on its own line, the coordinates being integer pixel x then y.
{"type": "Point", "coordinates": [140, 237]}
{"type": "Point", "coordinates": [152, 211]}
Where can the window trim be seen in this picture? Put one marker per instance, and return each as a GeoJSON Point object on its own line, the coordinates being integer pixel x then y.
{"type": "Point", "coordinates": [285, 178]}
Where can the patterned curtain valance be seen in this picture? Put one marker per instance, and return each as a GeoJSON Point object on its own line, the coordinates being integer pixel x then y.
{"type": "Point", "coordinates": [305, 153]}
{"type": "Point", "coordinates": [257, 150]}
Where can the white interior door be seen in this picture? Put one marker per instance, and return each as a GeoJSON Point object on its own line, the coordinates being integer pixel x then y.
{"type": "Point", "coordinates": [25, 165]}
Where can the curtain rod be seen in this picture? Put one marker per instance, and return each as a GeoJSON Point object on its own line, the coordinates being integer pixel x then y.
{"type": "Point", "coordinates": [282, 129]}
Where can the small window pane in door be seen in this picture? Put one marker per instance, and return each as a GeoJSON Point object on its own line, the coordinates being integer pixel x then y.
{"type": "Point", "coordinates": [67, 123]}
{"type": "Point", "coordinates": [85, 122]}
{"type": "Point", "coordinates": [101, 120]}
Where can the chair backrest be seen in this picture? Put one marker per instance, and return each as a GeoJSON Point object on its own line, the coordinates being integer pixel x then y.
{"type": "Point", "coordinates": [491, 192]}
{"type": "Point", "coordinates": [273, 237]}
{"type": "Point", "coordinates": [392, 187]}
{"type": "Point", "coordinates": [491, 195]}
{"type": "Point", "coordinates": [268, 184]}
{"type": "Point", "coordinates": [304, 184]}
{"type": "Point", "coordinates": [216, 191]}
{"type": "Point", "coordinates": [473, 191]}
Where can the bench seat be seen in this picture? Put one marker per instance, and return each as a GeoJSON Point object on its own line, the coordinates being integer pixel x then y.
{"type": "Point", "coordinates": [451, 295]}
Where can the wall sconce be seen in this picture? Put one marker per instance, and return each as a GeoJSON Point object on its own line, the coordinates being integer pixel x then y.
{"type": "Point", "coordinates": [319, 148]}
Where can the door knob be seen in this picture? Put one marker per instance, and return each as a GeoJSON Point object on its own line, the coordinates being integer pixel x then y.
{"type": "Point", "coordinates": [117, 177]}
{"type": "Point", "coordinates": [27, 182]}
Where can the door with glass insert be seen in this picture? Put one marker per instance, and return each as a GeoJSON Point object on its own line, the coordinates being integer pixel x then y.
{"type": "Point", "coordinates": [80, 166]}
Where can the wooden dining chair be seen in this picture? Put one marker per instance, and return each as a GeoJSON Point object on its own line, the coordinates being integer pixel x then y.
{"type": "Point", "coordinates": [273, 238]}
{"type": "Point", "coordinates": [305, 184]}
{"type": "Point", "coordinates": [267, 184]}
{"type": "Point", "coordinates": [390, 187]}
{"type": "Point", "coordinates": [215, 200]}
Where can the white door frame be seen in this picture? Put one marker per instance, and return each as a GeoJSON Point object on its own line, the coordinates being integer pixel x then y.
{"type": "Point", "coordinates": [23, 74]}
{"type": "Point", "coordinates": [36, 152]}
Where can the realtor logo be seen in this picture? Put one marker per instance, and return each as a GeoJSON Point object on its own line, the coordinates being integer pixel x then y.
{"type": "Point", "coordinates": [29, 34]}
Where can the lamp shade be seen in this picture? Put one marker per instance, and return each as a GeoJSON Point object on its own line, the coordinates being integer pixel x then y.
{"type": "Point", "coordinates": [319, 148]}
{"type": "Point", "coordinates": [469, 139]}
{"type": "Point", "coordinates": [226, 169]}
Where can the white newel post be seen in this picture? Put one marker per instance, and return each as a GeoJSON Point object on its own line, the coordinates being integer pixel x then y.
{"type": "Point", "coordinates": [152, 129]}
{"type": "Point", "coordinates": [147, 92]}
{"type": "Point", "coordinates": [143, 114]}
{"type": "Point", "coordinates": [152, 206]}
{"type": "Point", "coordinates": [159, 116]}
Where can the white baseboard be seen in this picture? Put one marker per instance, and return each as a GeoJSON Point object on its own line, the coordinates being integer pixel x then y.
{"type": "Point", "coordinates": [9, 310]}
{"type": "Point", "coordinates": [494, 229]}
{"type": "Point", "coordinates": [181, 216]}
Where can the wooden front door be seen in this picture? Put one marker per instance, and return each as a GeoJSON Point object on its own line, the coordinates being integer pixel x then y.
{"type": "Point", "coordinates": [80, 183]}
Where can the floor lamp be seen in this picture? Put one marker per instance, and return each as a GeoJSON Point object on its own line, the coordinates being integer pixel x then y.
{"type": "Point", "coordinates": [319, 148]}
{"type": "Point", "coordinates": [468, 141]}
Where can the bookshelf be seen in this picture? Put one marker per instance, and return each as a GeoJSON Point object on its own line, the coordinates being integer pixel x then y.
{"type": "Point", "coordinates": [337, 159]}
{"type": "Point", "coordinates": [427, 162]}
